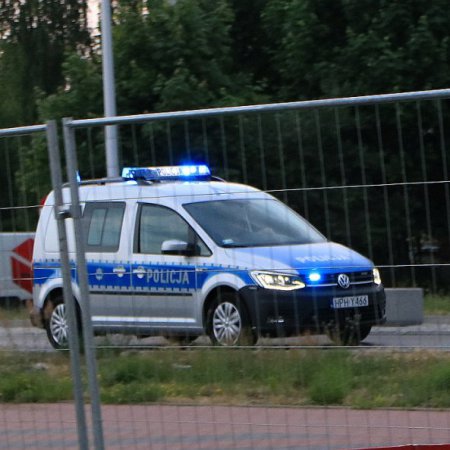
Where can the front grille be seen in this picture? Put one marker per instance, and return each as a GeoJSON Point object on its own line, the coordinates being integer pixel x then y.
{"type": "Point", "coordinates": [356, 278]}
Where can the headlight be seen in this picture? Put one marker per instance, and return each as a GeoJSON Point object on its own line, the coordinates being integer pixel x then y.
{"type": "Point", "coordinates": [376, 276]}
{"type": "Point", "coordinates": [278, 281]}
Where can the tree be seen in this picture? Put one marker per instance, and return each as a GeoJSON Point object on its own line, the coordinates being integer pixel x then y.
{"type": "Point", "coordinates": [325, 49]}
{"type": "Point", "coordinates": [34, 37]}
{"type": "Point", "coordinates": [168, 56]}
{"type": "Point", "coordinates": [338, 48]}
{"type": "Point", "coordinates": [188, 54]}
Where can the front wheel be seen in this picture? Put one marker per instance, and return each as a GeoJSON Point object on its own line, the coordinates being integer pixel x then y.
{"type": "Point", "coordinates": [228, 322]}
{"type": "Point", "coordinates": [349, 334]}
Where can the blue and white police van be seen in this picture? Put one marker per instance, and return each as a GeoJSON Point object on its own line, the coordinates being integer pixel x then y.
{"type": "Point", "coordinates": [173, 251]}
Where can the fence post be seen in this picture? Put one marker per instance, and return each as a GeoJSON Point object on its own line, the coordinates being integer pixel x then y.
{"type": "Point", "coordinates": [91, 364]}
{"type": "Point", "coordinates": [73, 337]}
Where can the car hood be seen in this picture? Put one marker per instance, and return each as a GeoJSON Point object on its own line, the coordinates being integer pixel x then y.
{"type": "Point", "coordinates": [327, 256]}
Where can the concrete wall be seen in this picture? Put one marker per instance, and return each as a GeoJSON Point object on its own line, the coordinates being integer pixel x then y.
{"type": "Point", "coordinates": [404, 306]}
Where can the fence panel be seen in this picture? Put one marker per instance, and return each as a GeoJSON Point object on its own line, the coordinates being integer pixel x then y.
{"type": "Point", "coordinates": [27, 369]}
{"type": "Point", "coordinates": [370, 173]}
{"type": "Point", "coordinates": [19, 212]}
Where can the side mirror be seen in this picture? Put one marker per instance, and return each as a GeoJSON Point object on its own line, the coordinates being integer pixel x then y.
{"type": "Point", "coordinates": [176, 247]}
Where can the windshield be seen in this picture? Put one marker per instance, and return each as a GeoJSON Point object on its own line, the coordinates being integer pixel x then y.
{"type": "Point", "coordinates": [252, 223]}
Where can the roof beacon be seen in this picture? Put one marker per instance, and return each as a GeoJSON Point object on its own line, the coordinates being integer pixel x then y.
{"type": "Point", "coordinates": [167, 173]}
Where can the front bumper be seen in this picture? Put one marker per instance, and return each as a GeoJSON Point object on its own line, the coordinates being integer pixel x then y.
{"type": "Point", "coordinates": [287, 313]}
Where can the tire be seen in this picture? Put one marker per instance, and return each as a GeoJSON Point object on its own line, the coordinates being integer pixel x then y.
{"type": "Point", "coordinates": [228, 323]}
{"type": "Point", "coordinates": [348, 334]}
{"type": "Point", "coordinates": [56, 324]}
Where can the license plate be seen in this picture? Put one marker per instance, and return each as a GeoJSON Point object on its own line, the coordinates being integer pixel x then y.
{"type": "Point", "coordinates": [353, 301]}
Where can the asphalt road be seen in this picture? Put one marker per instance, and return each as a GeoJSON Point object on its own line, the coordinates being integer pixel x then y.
{"type": "Point", "coordinates": [434, 333]}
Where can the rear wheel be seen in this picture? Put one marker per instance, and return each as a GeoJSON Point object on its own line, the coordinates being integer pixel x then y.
{"type": "Point", "coordinates": [228, 322]}
{"type": "Point", "coordinates": [56, 323]}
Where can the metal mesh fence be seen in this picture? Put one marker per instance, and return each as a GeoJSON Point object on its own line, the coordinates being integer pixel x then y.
{"type": "Point", "coordinates": [19, 212]}
{"type": "Point", "coordinates": [25, 366]}
{"type": "Point", "coordinates": [370, 176]}
{"type": "Point", "coordinates": [369, 173]}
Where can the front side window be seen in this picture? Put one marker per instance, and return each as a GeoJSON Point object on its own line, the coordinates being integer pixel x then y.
{"type": "Point", "coordinates": [252, 223]}
{"type": "Point", "coordinates": [158, 224]}
{"type": "Point", "coordinates": [103, 225]}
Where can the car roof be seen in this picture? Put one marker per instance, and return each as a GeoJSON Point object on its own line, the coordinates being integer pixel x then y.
{"type": "Point", "coordinates": [169, 192]}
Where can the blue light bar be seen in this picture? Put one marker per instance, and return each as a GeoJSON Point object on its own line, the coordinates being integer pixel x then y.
{"type": "Point", "coordinates": [167, 173]}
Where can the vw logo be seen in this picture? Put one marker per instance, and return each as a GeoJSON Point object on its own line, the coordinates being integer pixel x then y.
{"type": "Point", "coordinates": [343, 281]}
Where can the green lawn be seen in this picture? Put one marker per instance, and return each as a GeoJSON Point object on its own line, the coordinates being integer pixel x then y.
{"type": "Point", "coordinates": [436, 304]}
{"type": "Point", "coordinates": [308, 376]}
{"type": "Point", "coordinates": [297, 377]}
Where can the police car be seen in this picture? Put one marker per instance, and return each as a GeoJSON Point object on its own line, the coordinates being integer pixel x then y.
{"type": "Point", "coordinates": [173, 251]}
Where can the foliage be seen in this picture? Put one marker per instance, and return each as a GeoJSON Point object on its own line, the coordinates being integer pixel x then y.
{"type": "Point", "coordinates": [159, 62]}
{"type": "Point", "coordinates": [325, 48]}
{"type": "Point", "coordinates": [34, 37]}
{"type": "Point", "coordinates": [196, 53]}
{"type": "Point", "coordinates": [294, 377]}
{"type": "Point", "coordinates": [346, 48]}
{"type": "Point", "coordinates": [190, 54]}
{"type": "Point", "coordinates": [435, 304]}
{"type": "Point", "coordinates": [159, 65]}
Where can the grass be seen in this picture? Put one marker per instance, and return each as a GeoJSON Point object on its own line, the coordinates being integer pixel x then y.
{"type": "Point", "coordinates": [12, 310]}
{"type": "Point", "coordinates": [436, 304]}
{"type": "Point", "coordinates": [296, 377]}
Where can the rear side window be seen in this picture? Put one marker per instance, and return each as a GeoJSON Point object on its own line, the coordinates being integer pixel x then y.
{"type": "Point", "coordinates": [102, 226]}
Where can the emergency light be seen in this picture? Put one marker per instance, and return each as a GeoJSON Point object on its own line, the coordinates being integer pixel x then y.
{"type": "Point", "coordinates": [314, 277]}
{"type": "Point", "coordinates": [167, 173]}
